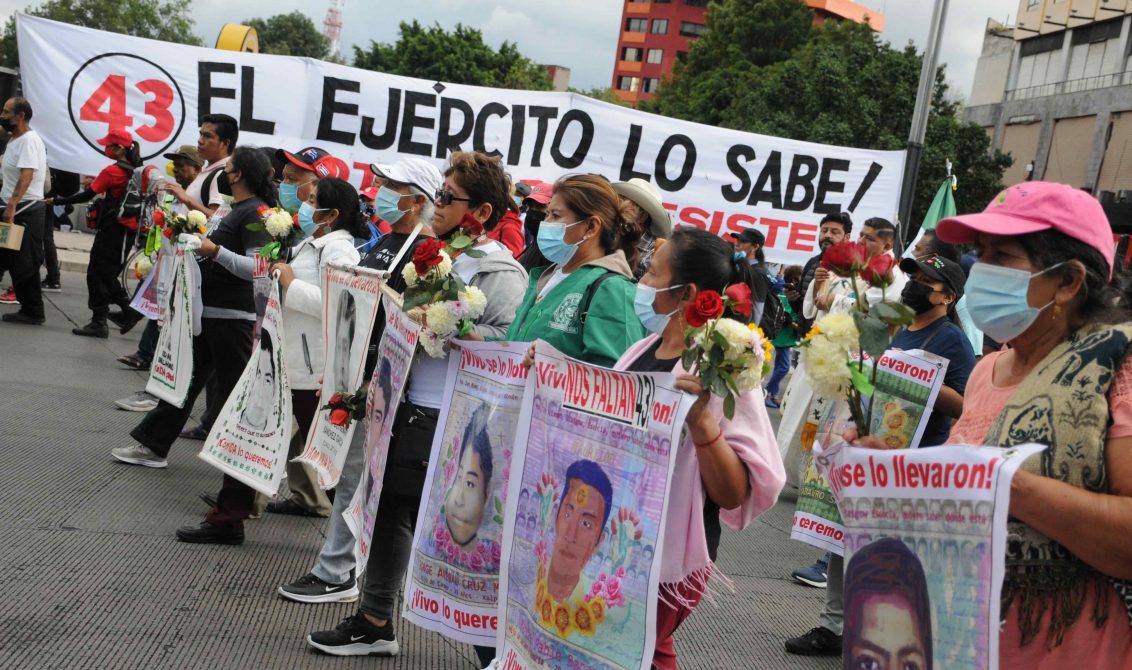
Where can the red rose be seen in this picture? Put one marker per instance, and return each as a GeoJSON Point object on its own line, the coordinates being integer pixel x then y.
{"type": "Point", "coordinates": [336, 399]}
{"type": "Point", "coordinates": [261, 209]}
{"type": "Point", "coordinates": [427, 255]}
{"type": "Point", "coordinates": [471, 225]}
{"type": "Point", "coordinates": [707, 306]}
{"type": "Point", "coordinates": [295, 220]}
{"type": "Point", "coordinates": [339, 417]}
{"type": "Point", "coordinates": [168, 233]}
{"type": "Point", "coordinates": [879, 270]}
{"type": "Point", "coordinates": [740, 297]}
{"type": "Point", "coordinates": [845, 258]}
{"type": "Point", "coordinates": [159, 218]}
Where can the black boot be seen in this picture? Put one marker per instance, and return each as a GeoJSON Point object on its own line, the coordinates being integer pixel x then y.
{"type": "Point", "coordinates": [96, 328]}
{"type": "Point", "coordinates": [125, 320]}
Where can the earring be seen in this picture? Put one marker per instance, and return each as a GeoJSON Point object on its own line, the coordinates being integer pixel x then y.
{"type": "Point", "coordinates": [1056, 312]}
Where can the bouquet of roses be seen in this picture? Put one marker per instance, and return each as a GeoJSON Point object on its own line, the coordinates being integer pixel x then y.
{"type": "Point", "coordinates": [828, 349]}
{"type": "Point", "coordinates": [283, 228]}
{"type": "Point", "coordinates": [172, 225]}
{"type": "Point", "coordinates": [448, 306]}
{"type": "Point", "coordinates": [730, 357]}
{"type": "Point", "coordinates": [347, 407]}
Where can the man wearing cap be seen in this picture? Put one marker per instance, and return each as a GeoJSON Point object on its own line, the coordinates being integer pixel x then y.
{"type": "Point", "coordinates": [647, 213]}
{"type": "Point", "coordinates": [186, 164]}
{"type": "Point", "coordinates": [112, 240]}
{"type": "Point", "coordinates": [533, 210]}
{"type": "Point", "coordinates": [24, 168]}
{"type": "Point", "coordinates": [218, 136]}
{"type": "Point", "coordinates": [300, 172]}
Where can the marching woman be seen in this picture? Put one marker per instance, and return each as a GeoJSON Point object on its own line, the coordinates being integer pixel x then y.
{"type": "Point", "coordinates": [333, 212]}
{"type": "Point", "coordinates": [475, 186]}
{"type": "Point", "coordinates": [729, 470]}
{"type": "Point", "coordinates": [583, 303]}
{"type": "Point", "coordinates": [225, 341]}
{"type": "Point", "coordinates": [112, 240]}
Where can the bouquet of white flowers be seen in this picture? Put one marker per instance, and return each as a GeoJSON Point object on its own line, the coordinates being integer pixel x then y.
{"type": "Point", "coordinates": [449, 307]}
{"type": "Point", "coordinates": [283, 228]}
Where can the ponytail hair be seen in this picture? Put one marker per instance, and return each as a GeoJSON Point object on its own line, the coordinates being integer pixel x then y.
{"type": "Point", "coordinates": [340, 195]}
{"type": "Point", "coordinates": [592, 195]}
{"type": "Point", "coordinates": [256, 169]}
{"type": "Point", "coordinates": [706, 260]}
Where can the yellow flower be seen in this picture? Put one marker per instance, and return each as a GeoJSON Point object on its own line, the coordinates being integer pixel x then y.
{"type": "Point", "coordinates": [562, 621]}
{"type": "Point", "coordinates": [584, 620]}
{"type": "Point", "coordinates": [597, 609]}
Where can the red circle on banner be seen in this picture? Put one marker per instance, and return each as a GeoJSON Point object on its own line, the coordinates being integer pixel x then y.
{"type": "Point", "coordinates": [147, 102]}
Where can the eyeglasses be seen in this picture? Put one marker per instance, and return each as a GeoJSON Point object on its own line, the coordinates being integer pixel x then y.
{"type": "Point", "coordinates": [445, 197]}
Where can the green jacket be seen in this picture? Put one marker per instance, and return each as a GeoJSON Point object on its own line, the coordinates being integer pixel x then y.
{"type": "Point", "coordinates": [787, 335]}
{"type": "Point", "coordinates": [611, 327]}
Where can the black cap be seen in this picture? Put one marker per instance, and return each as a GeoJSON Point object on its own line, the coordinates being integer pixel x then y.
{"type": "Point", "coordinates": [750, 236]}
{"type": "Point", "coordinates": [939, 269]}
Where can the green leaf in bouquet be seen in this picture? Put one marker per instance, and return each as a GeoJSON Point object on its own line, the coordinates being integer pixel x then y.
{"type": "Point", "coordinates": [457, 285]}
{"type": "Point", "coordinates": [688, 358]}
{"type": "Point", "coordinates": [719, 387]}
{"type": "Point", "coordinates": [719, 339]}
{"type": "Point", "coordinates": [729, 406]}
{"type": "Point", "coordinates": [872, 334]}
{"type": "Point", "coordinates": [415, 299]}
{"type": "Point", "coordinates": [460, 242]}
{"type": "Point", "coordinates": [715, 356]}
{"type": "Point", "coordinates": [729, 379]}
{"type": "Point", "coordinates": [256, 227]}
{"type": "Point", "coordinates": [860, 379]}
{"type": "Point", "coordinates": [474, 253]}
{"type": "Point", "coordinates": [893, 313]}
{"type": "Point", "coordinates": [466, 327]}
{"type": "Point", "coordinates": [708, 376]}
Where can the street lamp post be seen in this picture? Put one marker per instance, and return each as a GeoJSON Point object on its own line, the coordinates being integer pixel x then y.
{"type": "Point", "coordinates": [919, 127]}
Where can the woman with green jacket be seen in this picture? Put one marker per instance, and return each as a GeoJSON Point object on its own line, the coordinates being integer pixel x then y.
{"type": "Point", "coordinates": [583, 303]}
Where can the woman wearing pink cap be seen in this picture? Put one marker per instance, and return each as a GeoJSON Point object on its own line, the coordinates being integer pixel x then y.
{"type": "Point", "coordinates": [1042, 285]}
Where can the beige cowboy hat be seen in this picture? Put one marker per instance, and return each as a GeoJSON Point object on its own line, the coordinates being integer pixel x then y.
{"type": "Point", "coordinates": [647, 198]}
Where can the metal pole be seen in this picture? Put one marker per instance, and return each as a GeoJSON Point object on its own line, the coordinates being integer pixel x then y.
{"type": "Point", "coordinates": [920, 117]}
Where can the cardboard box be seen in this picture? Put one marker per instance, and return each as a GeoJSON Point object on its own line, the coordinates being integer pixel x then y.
{"type": "Point", "coordinates": [11, 235]}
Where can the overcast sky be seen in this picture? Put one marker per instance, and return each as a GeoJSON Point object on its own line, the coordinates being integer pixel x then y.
{"type": "Point", "coordinates": [582, 34]}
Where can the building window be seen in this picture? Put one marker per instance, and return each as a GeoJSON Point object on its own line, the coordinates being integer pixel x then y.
{"type": "Point", "coordinates": [689, 29]}
{"type": "Point", "coordinates": [656, 56]}
{"type": "Point", "coordinates": [625, 83]}
{"type": "Point", "coordinates": [659, 26]}
{"type": "Point", "coordinates": [631, 54]}
{"type": "Point", "coordinates": [636, 25]}
{"type": "Point", "coordinates": [681, 56]}
{"type": "Point", "coordinates": [651, 84]}
{"type": "Point", "coordinates": [697, 3]}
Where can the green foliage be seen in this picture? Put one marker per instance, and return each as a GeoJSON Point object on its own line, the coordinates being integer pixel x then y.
{"type": "Point", "coordinates": [758, 69]}
{"type": "Point", "coordinates": [291, 34]}
{"type": "Point", "coordinates": [603, 94]}
{"type": "Point", "coordinates": [457, 57]}
{"type": "Point", "coordinates": [166, 20]}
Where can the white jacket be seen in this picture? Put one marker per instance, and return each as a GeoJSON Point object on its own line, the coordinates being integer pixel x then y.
{"type": "Point", "coordinates": [303, 308]}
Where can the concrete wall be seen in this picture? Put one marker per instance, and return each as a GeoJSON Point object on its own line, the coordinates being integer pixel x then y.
{"type": "Point", "coordinates": [993, 66]}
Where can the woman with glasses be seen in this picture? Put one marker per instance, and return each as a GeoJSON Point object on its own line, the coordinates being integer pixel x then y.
{"type": "Point", "coordinates": [582, 304]}
{"type": "Point", "coordinates": [225, 342]}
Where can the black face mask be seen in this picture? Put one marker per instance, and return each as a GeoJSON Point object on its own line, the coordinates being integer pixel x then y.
{"type": "Point", "coordinates": [533, 221]}
{"type": "Point", "coordinates": [918, 297]}
{"type": "Point", "coordinates": [223, 184]}
{"type": "Point", "coordinates": [8, 124]}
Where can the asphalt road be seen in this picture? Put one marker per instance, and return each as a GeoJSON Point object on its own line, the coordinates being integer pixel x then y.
{"type": "Point", "coordinates": [91, 577]}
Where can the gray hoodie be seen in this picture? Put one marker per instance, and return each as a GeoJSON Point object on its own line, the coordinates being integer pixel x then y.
{"type": "Point", "coordinates": [504, 282]}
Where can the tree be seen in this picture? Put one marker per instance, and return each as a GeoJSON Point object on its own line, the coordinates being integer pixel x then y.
{"type": "Point", "coordinates": [291, 34]}
{"type": "Point", "coordinates": [836, 83]}
{"type": "Point", "coordinates": [457, 57]}
{"type": "Point", "coordinates": [166, 20]}
{"type": "Point", "coordinates": [598, 93]}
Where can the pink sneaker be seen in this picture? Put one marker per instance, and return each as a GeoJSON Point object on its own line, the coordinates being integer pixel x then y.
{"type": "Point", "coordinates": [9, 297]}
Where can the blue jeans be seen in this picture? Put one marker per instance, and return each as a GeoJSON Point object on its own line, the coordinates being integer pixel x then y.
{"type": "Point", "coordinates": [148, 342]}
{"type": "Point", "coordinates": [781, 367]}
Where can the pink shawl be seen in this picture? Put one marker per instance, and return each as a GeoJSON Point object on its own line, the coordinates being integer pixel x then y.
{"type": "Point", "coordinates": [684, 558]}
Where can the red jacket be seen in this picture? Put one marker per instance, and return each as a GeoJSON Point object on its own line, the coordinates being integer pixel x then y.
{"type": "Point", "coordinates": [509, 233]}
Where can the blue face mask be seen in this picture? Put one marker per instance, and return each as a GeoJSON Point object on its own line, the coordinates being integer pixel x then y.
{"type": "Point", "coordinates": [998, 302]}
{"type": "Point", "coordinates": [289, 197]}
{"type": "Point", "coordinates": [646, 310]}
{"type": "Point", "coordinates": [551, 242]}
{"type": "Point", "coordinates": [386, 205]}
{"type": "Point", "coordinates": [306, 218]}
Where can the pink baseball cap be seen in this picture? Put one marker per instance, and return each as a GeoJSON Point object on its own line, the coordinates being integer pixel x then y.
{"type": "Point", "coordinates": [1032, 207]}
{"type": "Point", "coordinates": [541, 191]}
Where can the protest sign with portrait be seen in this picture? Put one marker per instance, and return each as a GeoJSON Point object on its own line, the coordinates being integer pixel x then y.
{"type": "Point", "coordinates": [394, 358]}
{"type": "Point", "coordinates": [171, 372]}
{"type": "Point", "coordinates": [350, 297]}
{"type": "Point", "coordinates": [252, 432]}
{"type": "Point", "coordinates": [593, 459]}
{"type": "Point", "coordinates": [453, 585]}
{"type": "Point", "coordinates": [925, 549]}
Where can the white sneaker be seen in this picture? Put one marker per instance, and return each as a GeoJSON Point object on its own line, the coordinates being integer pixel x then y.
{"type": "Point", "coordinates": [139, 455]}
{"type": "Point", "coordinates": [138, 402]}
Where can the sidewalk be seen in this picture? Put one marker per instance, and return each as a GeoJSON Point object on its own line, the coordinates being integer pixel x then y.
{"type": "Point", "coordinates": [91, 576]}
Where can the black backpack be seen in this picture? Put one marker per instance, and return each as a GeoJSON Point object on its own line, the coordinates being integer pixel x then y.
{"type": "Point", "coordinates": [774, 315]}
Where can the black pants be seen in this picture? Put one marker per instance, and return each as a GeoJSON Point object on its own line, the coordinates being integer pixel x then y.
{"type": "Point", "coordinates": [108, 254]}
{"type": "Point", "coordinates": [23, 265]}
{"type": "Point", "coordinates": [50, 253]}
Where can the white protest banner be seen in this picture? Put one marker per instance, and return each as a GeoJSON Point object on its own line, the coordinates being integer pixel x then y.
{"type": "Point", "coordinates": [171, 372]}
{"type": "Point", "coordinates": [453, 574]}
{"type": "Point", "coordinates": [394, 358]}
{"type": "Point", "coordinates": [593, 464]}
{"type": "Point", "coordinates": [350, 297]}
{"type": "Point", "coordinates": [907, 385]}
{"type": "Point", "coordinates": [251, 434]}
{"type": "Point", "coordinates": [925, 549]}
{"type": "Point", "coordinates": [84, 82]}
{"type": "Point", "coordinates": [146, 301]}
